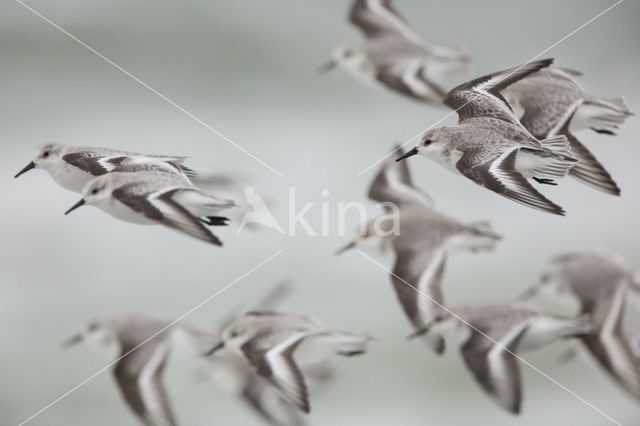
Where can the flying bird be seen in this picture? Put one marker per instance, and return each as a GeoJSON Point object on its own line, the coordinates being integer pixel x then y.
{"type": "Point", "coordinates": [603, 286]}
{"type": "Point", "coordinates": [491, 337]}
{"type": "Point", "coordinates": [394, 56]}
{"type": "Point", "coordinates": [491, 147]}
{"type": "Point", "coordinates": [144, 346]}
{"type": "Point", "coordinates": [279, 346]}
{"type": "Point", "coordinates": [551, 102]}
{"type": "Point", "coordinates": [422, 241]}
{"type": "Point", "coordinates": [72, 167]}
{"type": "Point", "coordinates": [153, 197]}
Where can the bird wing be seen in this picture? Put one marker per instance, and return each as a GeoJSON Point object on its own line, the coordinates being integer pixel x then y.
{"type": "Point", "coordinates": [268, 404]}
{"type": "Point", "coordinates": [501, 176]}
{"type": "Point", "coordinates": [276, 363]}
{"type": "Point", "coordinates": [495, 367]}
{"type": "Point", "coordinates": [587, 169]}
{"type": "Point", "coordinates": [94, 163]}
{"type": "Point", "coordinates": [611, 347]}
{"type": "Point", "coordinates": [482, 97]}
{"type": "Point", "coordinates": [161, 206]}
{"type": "Point", "coordinates": [139, 378]}
{"type": "Point", "coordinates": [417, 280]}
{"type": "Point", "coordinates": [408, 78]}
{"type": "Point", "coordinates": [393, 183]}
{"type": "Point", "coordinates": [376, 18]}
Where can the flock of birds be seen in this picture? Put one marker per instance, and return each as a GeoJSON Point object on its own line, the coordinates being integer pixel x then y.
{"type": "Point", "coordinates": [514, 126]}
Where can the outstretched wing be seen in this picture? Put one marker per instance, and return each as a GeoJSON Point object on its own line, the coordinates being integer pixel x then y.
{"type": "Point", "coordinates": [161, 207]}
{"type": "Point", "coordinates": [417, 280]}
{"type": "Point", "coordinates": [501, 176]}
{"type": "Point", "coordinates": [376, 18]}
{"type": "Point", "coordinates": [139, 378]}
{"type": "Point", "coordinates": [611, 347]}
{"type": "Point", "coordinates": [495, 367]}
{"type": "Point", "coordinates": [276, 364]}
{"type": "Point", "coordinates": [482, 97]}
{"type": "Point", "coordinates": [393, 183]}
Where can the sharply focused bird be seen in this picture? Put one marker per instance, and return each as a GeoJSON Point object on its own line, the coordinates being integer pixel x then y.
{"type": "Point", "coordinates": [394, 56]}
{"type": "Point", "coordinates": [422, 240]}
{"type": "Point", "coordinates": [72, 167]}
{"type": "Point", "coordinates": [602, 286]}
{"type": "Point", "coordinates": [491, 337]}
{"type": "Point", "coordinates": [550, 102]}
{"type": "Point", "coordinates": [491, 147]}
{"type": "Point", "coordinates": [156, 197]}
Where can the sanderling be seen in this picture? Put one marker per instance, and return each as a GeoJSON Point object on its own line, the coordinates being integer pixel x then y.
{"type": "Point", "coordinates": [600, 284]}
{"type": "Point", "coordinates": [394, 56]}
{"type": "Point", "coordinates": [515, 329]}
{"type": "Point", "coordinates": [277, 345]}
{"type": "Point", "coordinates": [152, 197]}
{"type": "Point", "coordinates": [232, 371]}
{"type": "Point", "coordinates": [550, 103]}
{"type": "Point", "coordinates": [73, 166]}
{"type": "Point", "coordinates": [422, 244]}
{"type": "Point", "coordinates": [491, 147]}
{"type": "Point", "coordinates": [139, 370]}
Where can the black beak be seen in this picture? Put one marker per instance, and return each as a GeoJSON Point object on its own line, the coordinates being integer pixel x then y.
{"type": "Point", "coordinates": [75, 206]}
{"type": "Point", "coordinates": [528, 293]}
{"type": "Point", "coordinates": [408, 154]}
{"type": "Point", "coordinates": [72, 341]}
{"type": "Point", "coordinates": [29, 166]}
{"type": "Point", "coordinates": [326, 67]}
{"type": "Point", "coordinates": [348, 247]}
{"type": "Point", "coordinates": [214, 349]}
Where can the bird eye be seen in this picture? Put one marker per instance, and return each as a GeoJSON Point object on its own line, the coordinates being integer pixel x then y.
{"type": "Point", "coordinates": [427, 142]}
{"type": "Point", "coordinates": [347, 53]}
{"type": "Point", "coordinates": [92, 327]}
{"type": "Point", "coordinates": [45, 154]}
{"type": "Point", "coordinates": [94, 191]}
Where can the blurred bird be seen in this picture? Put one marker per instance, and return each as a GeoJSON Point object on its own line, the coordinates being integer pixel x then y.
{"type": "Point", "coordinates": [280, 345]}
{"type": "Point", "coordinates": [152, 197]}
{"type": "Point", "coordinates": [490, 146]}
{"type": "Point", "coordinates": [550, 102]}
{"type": "Point", "coordinates": [423, 240]}
{"type": "Point", "coordinates": [490, 337]}
{"type": "Point", "coordinates": [72, 167]}
{"type": "Point", "coordinates": [142, 359]}
{"type": "Point", "coordinates": [394, 56]}
{"type": "Point", "coordinates": [234, 373]}
{"type": "Point", "coordinates": [601, 284]}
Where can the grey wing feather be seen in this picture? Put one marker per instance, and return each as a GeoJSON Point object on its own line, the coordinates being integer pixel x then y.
{"type": "Point", "coordinates": [417, 279]}
{"type": "Point", "coordinates": [174, 216]}
{"type": "Point", "coordinates": [127, 375]}
{"type": "Point", "coordinates": [482, 96]}
{"type": "Point", "coordinates": [502, 177]}
{"type": "Point", "coordinates": [495, 368]}
{"type": "Point", "coordinates": [377, 17]}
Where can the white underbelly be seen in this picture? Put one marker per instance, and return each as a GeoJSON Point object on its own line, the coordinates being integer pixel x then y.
{"type": "Point", "coordinates": [70, 178]}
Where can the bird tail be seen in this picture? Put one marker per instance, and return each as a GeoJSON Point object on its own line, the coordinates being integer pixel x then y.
{"type": "Point", "coordinates": [602, 115]}
{"type": "Point", "coordinates": [555, 160]}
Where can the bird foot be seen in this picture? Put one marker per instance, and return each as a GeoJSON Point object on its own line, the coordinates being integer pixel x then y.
{"type": "Point", "coordinates": [545, 181]}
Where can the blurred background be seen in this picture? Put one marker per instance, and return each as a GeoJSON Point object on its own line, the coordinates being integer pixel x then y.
{"type": "Point", "coordinates": [249, 69]}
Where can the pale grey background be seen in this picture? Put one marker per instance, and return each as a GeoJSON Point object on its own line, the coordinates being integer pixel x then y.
{"type": "Point", "coordinates": [248, 68]}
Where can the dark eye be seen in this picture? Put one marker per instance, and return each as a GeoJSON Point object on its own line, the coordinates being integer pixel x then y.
{"type": "Point", "coordinates": [348, 53]}
{"type": "Point", "coordinates": [234, 334]}
{"type": "Point", "coordinates": [45, 154]}
{"type": "Point", "coordinates": [92, 327]}
{"type": "Point", "coordinates": [94, 191]}
{"type": "Point", "coordinates": [427, 142]}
